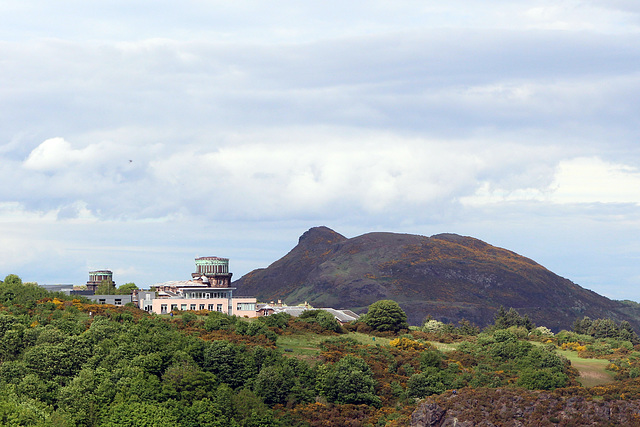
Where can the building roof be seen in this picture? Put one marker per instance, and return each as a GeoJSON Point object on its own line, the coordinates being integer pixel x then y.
{"type": "Point", "coordinates": [342, 316]}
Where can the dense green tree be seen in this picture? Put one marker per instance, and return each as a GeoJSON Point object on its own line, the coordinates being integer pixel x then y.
{"type": "Point", "coordinates": [20, 411]}
{"type": "Point", "coordinates": [249, 409]}
{"type": "Point", "coordinates": [217, 320]}
{"type": "Point", "coordinates": [542, 379]}
{"type": "Point", "coordinates": [187, 382]}
{"type": "Point", "coordinates": [204, 413]}
{"type": "Point", "coordinates": [126, 289]}
{"type": "Point", "coordinates": [428, 382]}
{"type": "Point", "coordinates": [276, 320]}
{"type": "Point", "coordinates": [85, 396]}
{"type": "Point", "coordinates": [505, 319]}
{"type": "Point", "coordinates": [431, 358]}
{"type": "Point", "coordinates": [12, 280]}
{"type": "Point", "coordinates": [57, 360]}
{"type": "Point", "coordinates": [106, 287]}
{"type": "Point", "coordinates": [385, 315]}
{"type": "Point", "coordinates": [322, 318]}
{"type": "Point", "coordinates": [274, 383]}
{"type": "Point", "coordinates": [140, 414]}
{"type": "Point", "coordinates": [606, 328]}
{"type": "Point", "coordinates": [350, 380]}
{"type": "Point", "coordinates": [231, 363]}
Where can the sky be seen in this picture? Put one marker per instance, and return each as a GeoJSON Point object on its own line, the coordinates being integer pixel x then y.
{"type": "Point", "coordinates": [138, 135]}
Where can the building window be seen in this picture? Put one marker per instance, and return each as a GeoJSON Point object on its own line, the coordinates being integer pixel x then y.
{"type": "Point", "coordinates": [219, 307]}
{"type": "Point", "coordinates": [163, 309]}
{"type": "Point", "coordinates": [201, 307]}
{"type": "Point", "coordinates": [192, 307]}
{"type": "Point", "coordinates": [174, 307]}
{"type": "Point", "coordinates": [210, 307]}
{"type": "Point", "coordinates": [118, 301]}
{"type": "Point", "coordinates": [183, 307]}
{"type": "Point", "coordinates": [102, 301]}
{"type": "Point", "coordinates": [246, 306]}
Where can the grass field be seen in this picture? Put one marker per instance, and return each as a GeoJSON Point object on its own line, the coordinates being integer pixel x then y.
{"type": "Point", "coordinates": [592, 371]}
{"type": "Point", "coordinates": [308, 345]}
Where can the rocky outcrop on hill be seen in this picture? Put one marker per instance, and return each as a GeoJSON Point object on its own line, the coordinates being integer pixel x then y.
{"type": "Point", "coordinates": [446, 276]}
{"type": "Point", "coordinates": [522, 408]}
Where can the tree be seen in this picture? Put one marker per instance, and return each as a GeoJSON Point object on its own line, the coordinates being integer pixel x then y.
{"type": "Point", "coordinates": [322, 318]}
{"type": "Point", "coordinates": [106, 287]}
{"type": "Point", "coordinates": [505, 319]}
{"type": "Point", "coordinates": [12, 279]}
{"type": "Point", "coordinates": [274, 383]}
{"type": "Point", "coordinates": [140, 414]}
{"type": "Point", "coordinates": [350, 381]}
{"type": "Point", "coordinates": [126, 289]}
{"type": "Point", "coordinates": [386, 315]}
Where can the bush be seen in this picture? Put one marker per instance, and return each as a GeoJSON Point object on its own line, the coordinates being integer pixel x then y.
{"type": "Point", "coordinates": [217, 321]}
{"type": "Point", "coordinates": [322, 318]}
{"type": "Point", "coordinates": [276, 320]}
{"type": "Point", "coordinates": [350, 381]}
{"type": "Point", "coordinates": [431, 359]}
{"type": "Point", "coordinates": [542, 379]}
{"type": "Point", "coordinates": [386, 316]}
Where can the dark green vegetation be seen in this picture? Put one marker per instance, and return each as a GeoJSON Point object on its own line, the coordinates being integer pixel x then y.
{"type": "Point", "coordinates": [385, 315]}
{"type": "Point", "coordinates": [447, 276]}
{"type": "Point", "coordinates": [66, 362]}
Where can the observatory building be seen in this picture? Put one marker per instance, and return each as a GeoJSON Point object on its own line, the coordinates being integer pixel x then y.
{"type": "Point", "coordinates": [209, 289]}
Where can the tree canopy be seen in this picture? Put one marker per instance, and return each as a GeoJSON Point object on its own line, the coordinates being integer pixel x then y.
{"type": "Point", "coordinates": [386, 315]}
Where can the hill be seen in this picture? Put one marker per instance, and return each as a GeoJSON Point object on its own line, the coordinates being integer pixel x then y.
{"type": "Point", "coordinates": [447, 276]}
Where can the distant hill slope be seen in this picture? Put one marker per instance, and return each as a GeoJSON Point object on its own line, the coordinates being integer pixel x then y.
{"type": "Point", "coordinates": [447, 276]}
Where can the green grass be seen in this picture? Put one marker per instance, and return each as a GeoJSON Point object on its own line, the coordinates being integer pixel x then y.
{"type": "Point", "coordinates": [308, 345]}
{"type": "Point", "coordinates": [592, 371]}
{"type": "Point", "coordinates": [443, 346]}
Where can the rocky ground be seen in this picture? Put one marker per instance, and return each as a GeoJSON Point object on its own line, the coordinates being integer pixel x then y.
{"type": "Point", "coordinates": [516, 407]}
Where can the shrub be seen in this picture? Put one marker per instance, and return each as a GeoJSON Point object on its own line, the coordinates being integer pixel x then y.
{"type": "Point", "coordinates": [322, 318]}
{"type": "Point", "coordinates": [386, 316]}
{"type": "Point", "coordinates": [350, 381]}
{"type": "Point", "coordinates": [542, 379]}
{"type": "Point", "coordinates": [431, 359]}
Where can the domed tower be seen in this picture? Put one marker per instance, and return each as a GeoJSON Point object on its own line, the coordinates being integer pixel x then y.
{"type": "Point", "coordinates": [213, 271]}
{"type": "Point", "coordinates": [97, 277]}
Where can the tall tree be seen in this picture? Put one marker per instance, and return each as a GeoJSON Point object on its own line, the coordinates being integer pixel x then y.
{"type": "Point", "coordinates": [386, 315]}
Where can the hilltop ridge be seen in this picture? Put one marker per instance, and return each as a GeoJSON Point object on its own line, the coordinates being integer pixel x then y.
{"type": "Point", "coordinates": [447, 276]}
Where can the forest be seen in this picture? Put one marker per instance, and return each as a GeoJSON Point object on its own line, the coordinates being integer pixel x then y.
{"type": "Point", "coordinates": [67, 362]}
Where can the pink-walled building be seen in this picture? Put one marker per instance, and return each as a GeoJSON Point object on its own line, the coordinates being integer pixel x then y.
{"type": "Point", "coordinates": [209, 289]}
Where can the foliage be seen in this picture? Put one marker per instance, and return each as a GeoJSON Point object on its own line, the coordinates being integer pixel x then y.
{"type": "Point", "coordinates": [606, 328]}
{"type": "Point", "coordinates": [106, 287]}
{"type": "Point", "coordinates": [350, 381]}
{"type": "Point", "coordinates": [542, 331]}
{"type": "Point", "coordinates": [60, 366]}
{"type": "Point", "coordinates": [126, 289]}
{"type": "Point", "coordinates": [385, 315]}
{"type": "Point", "coordinates": [321, 317]}
{"type": "Point", "coordinates": [505, 319]}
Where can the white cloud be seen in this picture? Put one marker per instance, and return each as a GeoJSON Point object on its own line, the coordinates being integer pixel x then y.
{"type": "Point", "coordinates": [53, 154]}
{"type": "Point", "coordinates": [579, 180]}
{"type": "Point", "coordinates": [592, 180]}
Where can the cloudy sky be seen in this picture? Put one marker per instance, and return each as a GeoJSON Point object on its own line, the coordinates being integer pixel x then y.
{"type": "Point", "coordinates": [137, 135]}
